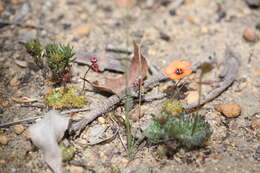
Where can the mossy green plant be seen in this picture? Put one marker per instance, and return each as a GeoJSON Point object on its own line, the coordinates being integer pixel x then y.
{"type": "Point", "coordinates": [172, 107]}
{"type": "Point", "coordinates": [188, 131]}
{"type": "Point", "coordinates": [67, 152]}
{"type": "Point", "coordinates": [68, 97]}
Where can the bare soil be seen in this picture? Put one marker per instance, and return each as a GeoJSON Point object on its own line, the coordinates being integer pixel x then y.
{"type": "Point", "coordinates": [196, 28]}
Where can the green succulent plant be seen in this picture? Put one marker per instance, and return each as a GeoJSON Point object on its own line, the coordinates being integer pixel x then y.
{"type": "Point", "coordinates": [188, 131]}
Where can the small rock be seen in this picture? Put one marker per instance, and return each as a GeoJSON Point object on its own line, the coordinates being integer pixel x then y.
{"type": "Point", "coordinates": [14, 82]}
{"type": "Point", "coordinates": [192, 20]}
{"type": "Point", "coordinates": [81, 30]}
{"type": "Point", "coordinates": [125, 3]}
{"type": "Point", "coordinates": [255, 122]}
{"type": "Point", "coordinates": [204, 30]}
{"type": "Point", "coordinates": [15, 2]}
{"type": "Point", "coordinates": [188, 1]}
{"type": "Point", "coordinates": [4, 140]}
{"type": "Point", "coordinates": [192, 97]}
{"type": "Point", "coordinates": [18, 129]}
{"type": "Point", "coordinates": [76, 169]}
{"type": "Point", "coordinates": [229, 110]}
{"type": "Point", "coordinates": [2, 7]}
{"type": "Point", "coordinates": [249, 35]}
{"type": "Point", "coordinates": [101, 120]}
{"type": "Point", "coordinates": [2, 161]}
{"type": "Point", "coordinates": [21, 63]}
{"type": "Point", "coordinates": [217, 156]}
{"type": "Point", "coordinates": [256, 73]}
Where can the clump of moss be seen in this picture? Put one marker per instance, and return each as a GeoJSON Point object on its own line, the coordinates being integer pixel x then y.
{"type": "Point", "coordinates": [68, 97]}
{"type": "Point", "coordinates": [172, 107]}
{"type": "Point", "coordinates": [188, 131]}
{"type": "Point", "coordinates": [67, 152]}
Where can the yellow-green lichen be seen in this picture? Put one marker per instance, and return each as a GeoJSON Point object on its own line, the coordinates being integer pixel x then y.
{"type": "Point", "coordinates": [67, 152]}
{"type": "Point", "coordinates": [65, 98]}
{"type": "Point", "coordinates": [172, 107]}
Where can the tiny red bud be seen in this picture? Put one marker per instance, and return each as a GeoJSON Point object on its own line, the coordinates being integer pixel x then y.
{"type": "Point", "coordinates": [93, 60]}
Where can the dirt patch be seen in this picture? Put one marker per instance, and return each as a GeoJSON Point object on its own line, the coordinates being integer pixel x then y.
{"type": "Point", "coordinates": [194, 29]}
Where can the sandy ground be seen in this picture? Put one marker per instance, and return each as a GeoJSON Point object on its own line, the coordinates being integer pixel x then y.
{"type": "Point", "coordinates": [196, 29]}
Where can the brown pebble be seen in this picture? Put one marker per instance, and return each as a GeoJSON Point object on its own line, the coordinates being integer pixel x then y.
{"type": "Point", "coordinates": [81, 30]}
{"type": "Point", "coordinates": [18, 129]}
{"type": "Point", "coordinates": [4, 140]}
{"type": "Point", "coordinates": [256, 73]}
{"type": "Point", "coordinates": [204, 30]}
{"type": "Point", "coordinates": [2, 161]}
{"type": "Point", "coordinates": [249, 35]}
{"type": "Point", "coordinates": [255, 122]}
{"type": "Point", "coordinates": [2, 7]}
{"type": "Point", "coordinates": [125, 3]}
{"type": "Point", "coordinates": [192, 20]}
{"type": "Point", "coordinates": [16, 1]}
{"type": "Point", "coordinates": [229, 110]}
{"type": "Point", "coordinates": [14, 82]}
{"type": "Point", "coordinates": [76, 169]}
{"type": "Point", "coordinates": [217, 156]}
{"type": "Point", "coordinates": [101, 120]}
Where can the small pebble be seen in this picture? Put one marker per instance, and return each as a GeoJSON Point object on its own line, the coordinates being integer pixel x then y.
{"type": "Point", "coordinates": [249, 35]}
{"type": "Point", "coordinates": [125, 3]}
{"type": "Point", "coordinates": [14, 82]}
{"type": "Point", "coordinates": [2, 7]}
{"type": "Point", "coordinates": [4, 140]}
{"type": "Point", "coordinates": [192, 20]}
{"type": "Point", "coordinates": [2, 161]}
{"type": "Point", "coordinates": [257, 153]}
{"type": "Point", "coordinates": [21, 63]}
{"type": "Point", "coordinates": [204, 30]}
{"type": "Point", "coordinates": [18, 129]}
{"type": "Point", "coordinates": [229, 110]}
{"type": "Point", "coordinates": [27, 134]}
{"type": "Point", "coordinates": [192, 97]}
{"type": "Point", "coordinates": [81, 30]}
{"type": "Point", "coordinates": [76, 169]}
{"type": "Point", "coordinates": [255, 122]}
{"type": "Point", "coordinates": [256, 73]}
{"type": "Point", "coordinates": [101, 120]}
{"type": "Point", "coordinates": [15, 2]}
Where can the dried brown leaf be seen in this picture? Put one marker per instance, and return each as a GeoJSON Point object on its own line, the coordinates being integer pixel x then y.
{"type": "Point", "coordinates": [137, 70]}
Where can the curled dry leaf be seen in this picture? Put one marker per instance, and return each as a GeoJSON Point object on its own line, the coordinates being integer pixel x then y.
{"type": "Point", "coordinates": [46, 134]}
{"type": "Point", "coordinates": [137, 70]}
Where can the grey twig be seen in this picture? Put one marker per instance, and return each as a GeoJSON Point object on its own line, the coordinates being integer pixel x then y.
{"type": "Point", "coordinates": [120, 49]}
{"type": "Point", "coordinates": [229, 74]}
{"type": "Point", "coordinates": [27, 120]}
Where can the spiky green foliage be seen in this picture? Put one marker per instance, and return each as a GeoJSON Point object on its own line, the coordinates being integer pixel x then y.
{"type": "Point", "coordinates": [58, 58]}
{"type": "Point", "coordinates": [34, 48]}
{"type": "Point", "coordinates": [172, 107]}
{"type": "Point", "coordinates": [67, 152]}
{"type": "Point", "coordinates": [189, 131]}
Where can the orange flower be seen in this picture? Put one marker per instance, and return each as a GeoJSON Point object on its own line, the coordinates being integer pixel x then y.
{"type": "Point", "coordinates": [177, 70]}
